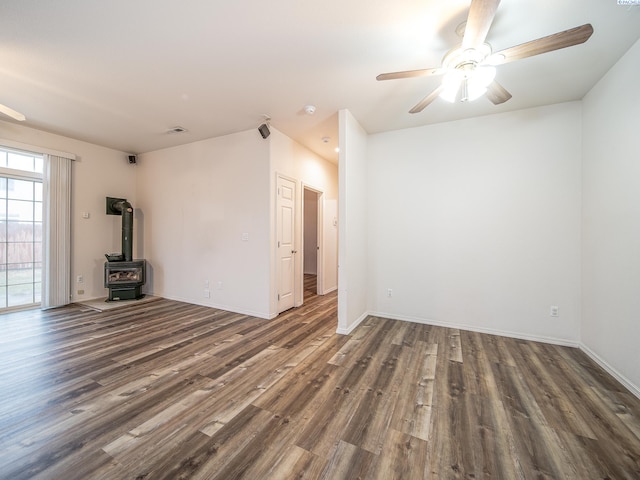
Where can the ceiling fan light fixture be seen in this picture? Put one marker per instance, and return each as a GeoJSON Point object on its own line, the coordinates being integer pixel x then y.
{"type": "Point", "coordinates": [473, 91]}
{"type": "Point", "coordinates": [468, 84]}
{"type": "Point", "coordinates": [478, 82]}
{"type": "Point", "coordinates": [484, 75]}
{"type": "Point", "coordinates": [451, 84]}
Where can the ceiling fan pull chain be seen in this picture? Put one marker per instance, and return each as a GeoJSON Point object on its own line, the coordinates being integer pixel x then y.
{"type": "Point", "coordinates": [465, 90]}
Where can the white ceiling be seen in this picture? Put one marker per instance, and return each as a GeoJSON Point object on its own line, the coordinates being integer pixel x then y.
{"type": "Point", "coordinates": [120, 73]}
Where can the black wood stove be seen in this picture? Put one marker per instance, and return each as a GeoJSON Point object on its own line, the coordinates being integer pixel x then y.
{"type": "Point", "coordinates": [124, 279]}
{"type": "Point", "coordinates": [123, 276]}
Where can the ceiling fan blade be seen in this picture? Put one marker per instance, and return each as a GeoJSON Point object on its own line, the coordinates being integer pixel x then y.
{"type": "Point", "coordinates": [567, 38]}
{"type": "Point", "coordinates": [422, 104]}
{"type": "Point", "coordinates": [12, 113]}
{"type": "Point", "coordinates": [481, 14]}
{"type": "Point", "coordinates": [410, 74]}
{"type": "Point", "coordinates": [497, 93]}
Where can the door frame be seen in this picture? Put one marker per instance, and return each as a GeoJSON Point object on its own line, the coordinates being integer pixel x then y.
{"type": "Point", "coordinates": [319, 240]}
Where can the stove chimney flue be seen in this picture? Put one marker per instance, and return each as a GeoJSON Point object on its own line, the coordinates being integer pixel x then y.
{"type": "Point", "coordinates": [120, 206]}
{"type": "Point", "coordinates": [127, 231]}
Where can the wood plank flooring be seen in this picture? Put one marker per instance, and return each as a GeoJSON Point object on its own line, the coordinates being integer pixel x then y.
{"type": "Point", "coordinates": [168, 390]}
{"type": "Point", "coordinates": [310, 285]}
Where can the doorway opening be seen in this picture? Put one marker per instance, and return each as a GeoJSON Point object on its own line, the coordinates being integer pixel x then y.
{"type": "Point", "coordinates": [312, 234]}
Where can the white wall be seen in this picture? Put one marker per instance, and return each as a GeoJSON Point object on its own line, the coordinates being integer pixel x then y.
{"type": "Point", "coordinates": [292, 160]}
{"type": "Point", "coordinates": [192, 205]}
{"type": "Point", "coordinates": [476, 223]}
{"type": "Point", "coordinates": [97, 173]}
{"type": "Point", "coordinates": [197, 200]}
{"type": "Point", "coordinates": [611, 219]}
{"type": "Point", "coordinates": [353, 253]}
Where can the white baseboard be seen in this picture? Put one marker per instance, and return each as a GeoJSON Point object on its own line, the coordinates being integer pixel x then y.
{"type": "Point", "coordinates": [634, 389]}
{"type": "Point", "coordinates": [330, 289]}
{"type": "Point", "coordinates": [472, 328]}
{"type": "Point", "coordinates": [610, 370]}
{"type": "Point", "coordinates": [227, 308]}
{"type": "Point", "coordinates": [352, 327]}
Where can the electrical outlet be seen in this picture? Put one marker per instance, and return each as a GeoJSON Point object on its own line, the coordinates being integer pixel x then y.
{"type": "Point", "coordinates": [80, 279]}
{"type": "Point", "coordinates": [554, 311]}
{"type": "Point", "coordinates": [80, 292]}
{"type": "Point", "coordinates": [219, 286]}
{"type": "Point", "coordinates": [389, 292]}
{"type": "Point", "coordinates": [207, 293]}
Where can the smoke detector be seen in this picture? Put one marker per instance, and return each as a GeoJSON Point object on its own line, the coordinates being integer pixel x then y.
{"type": "Point", "coordinates": [309, 109]}
{"type": "Point", "coordinates": [177, 129]}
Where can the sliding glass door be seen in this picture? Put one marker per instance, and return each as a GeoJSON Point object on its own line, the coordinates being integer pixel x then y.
{"type": "Point", "coordinates": [20, 229]}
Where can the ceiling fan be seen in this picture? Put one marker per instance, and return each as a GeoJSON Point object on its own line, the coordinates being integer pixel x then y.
{"type": "Point", "coordinates": [12, 113]}
{"type": "Point", "coordinates": [469, 69]}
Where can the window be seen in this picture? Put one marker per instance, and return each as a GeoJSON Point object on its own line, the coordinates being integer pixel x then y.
{"type": "Point", "coordinates": [20, 228]}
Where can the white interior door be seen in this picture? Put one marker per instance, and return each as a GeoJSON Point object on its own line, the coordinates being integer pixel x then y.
{"type": "Point", "coordinates": [285, 224]}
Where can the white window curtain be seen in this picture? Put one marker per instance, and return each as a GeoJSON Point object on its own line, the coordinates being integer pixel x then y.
{"type": "Point", "coordinates": [56, 241]}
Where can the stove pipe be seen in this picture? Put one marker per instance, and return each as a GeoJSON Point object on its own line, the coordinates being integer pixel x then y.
{"type": "Point", "coordinates": [120, 206]}
{"type": "Point", "coordinates": [127, 231]}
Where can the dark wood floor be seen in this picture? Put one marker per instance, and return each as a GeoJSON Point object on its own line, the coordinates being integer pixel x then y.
{"type": "Point", "coordinates": [310, 286]}
{"type": "Point", "coordinates": [170, 390]}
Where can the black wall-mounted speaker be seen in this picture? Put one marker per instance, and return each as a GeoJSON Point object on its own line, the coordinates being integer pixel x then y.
{"type": "Point", "coordinates": [132, 159]}
{"type": "Point", "coordinates": [264, 130]}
